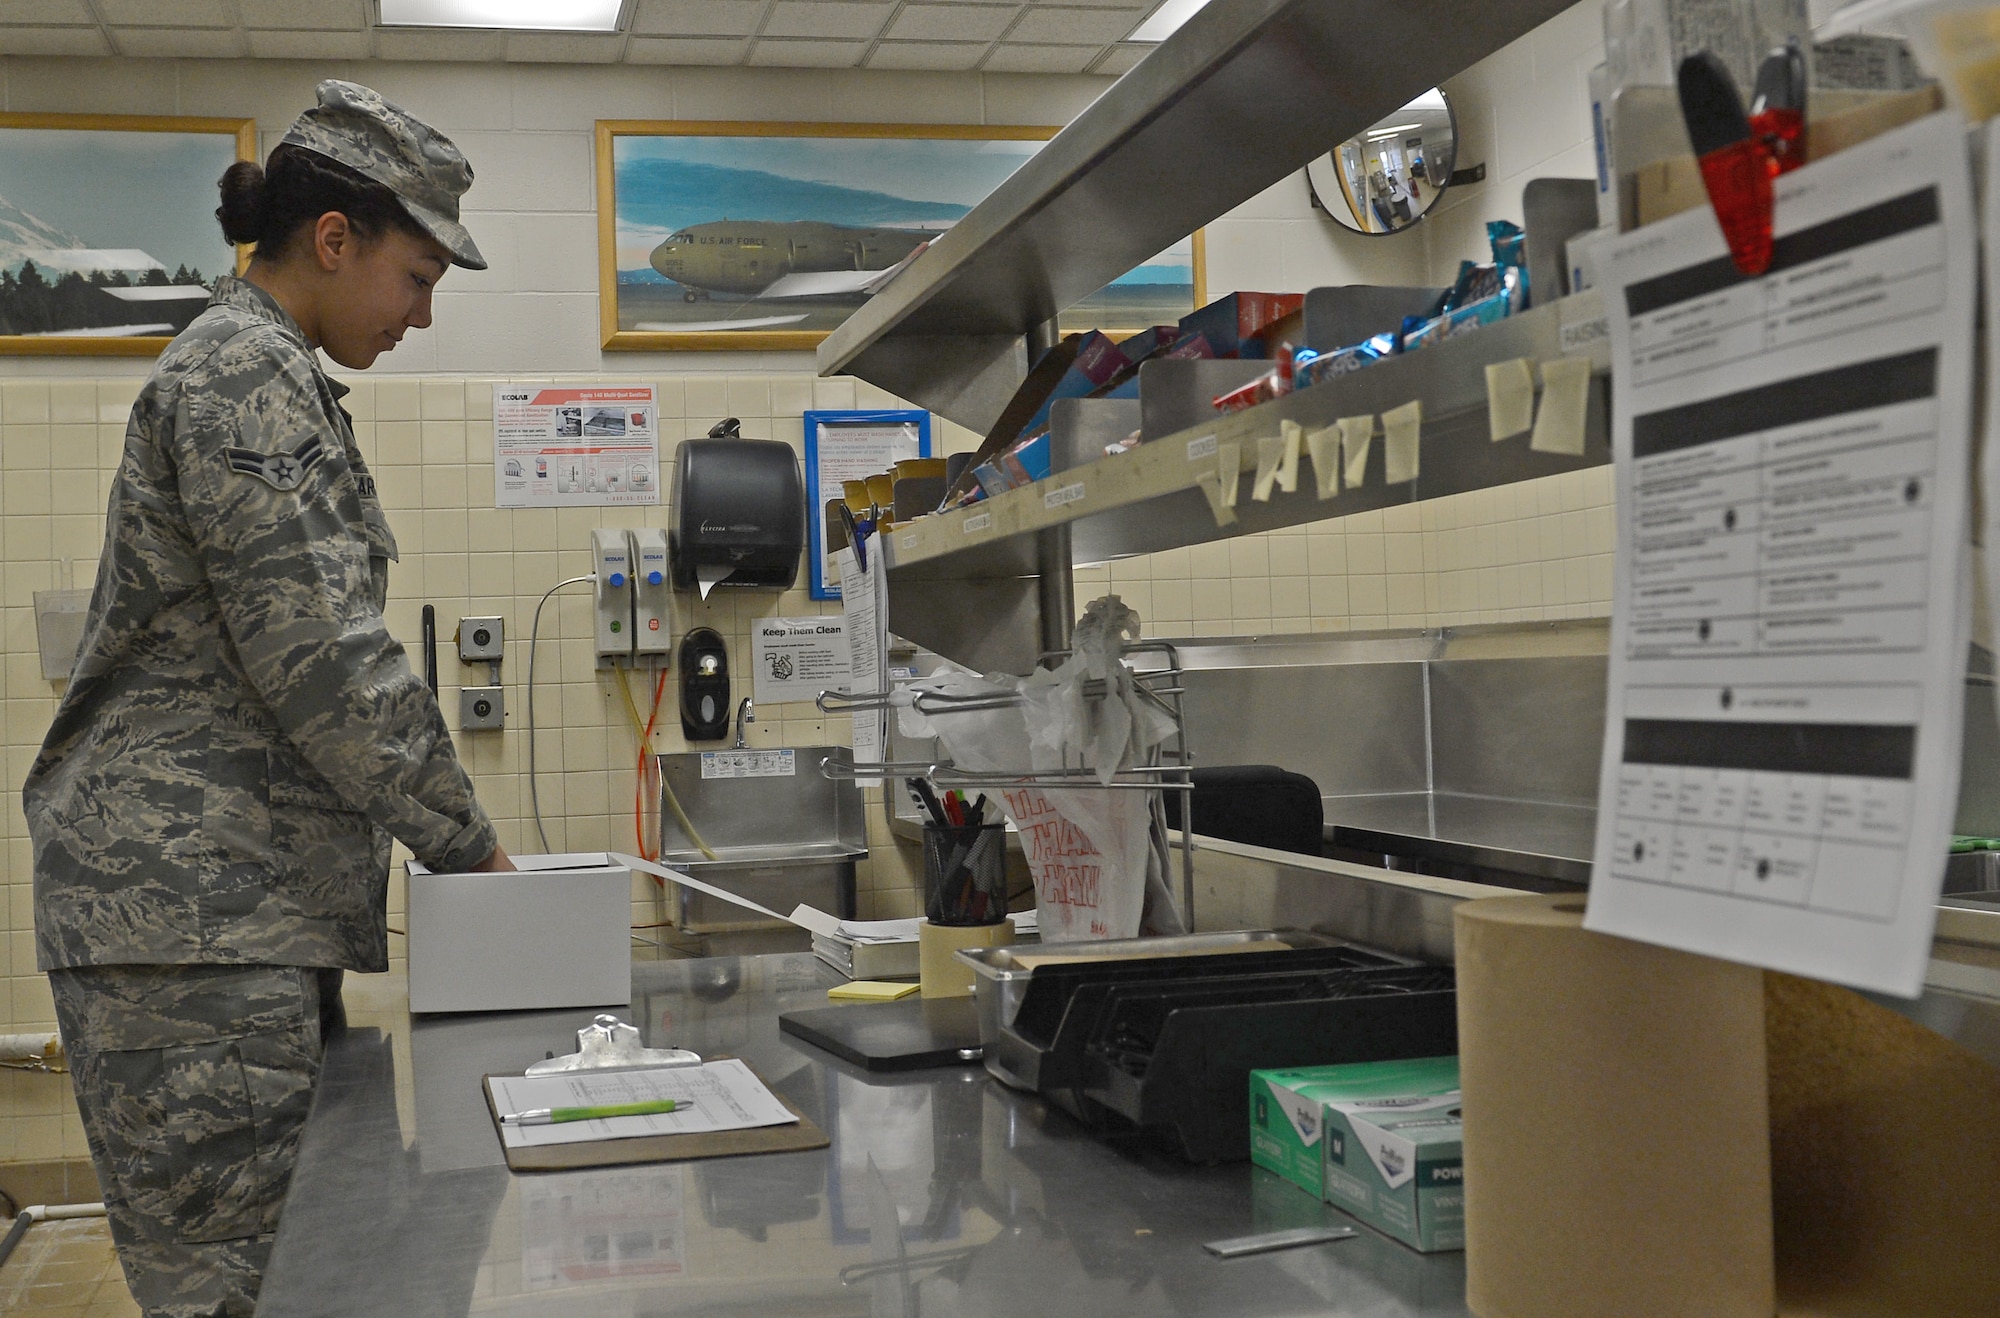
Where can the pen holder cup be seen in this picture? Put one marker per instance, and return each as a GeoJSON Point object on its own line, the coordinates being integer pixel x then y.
{"type": "Point", "coordinates": [965, 874]}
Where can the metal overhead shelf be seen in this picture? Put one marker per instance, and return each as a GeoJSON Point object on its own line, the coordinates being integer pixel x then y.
{"type": "Point", "coordinates": [966, 583]}
{"type": "Point", "coordinates": [1247, 92]}
{"type": "Point", "coordinates": [1150, 499]}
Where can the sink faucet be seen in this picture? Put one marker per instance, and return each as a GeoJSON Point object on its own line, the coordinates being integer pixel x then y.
{"type": "Point", "coordinates": [745, 713]}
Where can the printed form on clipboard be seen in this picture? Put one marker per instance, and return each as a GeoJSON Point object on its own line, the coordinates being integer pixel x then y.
{"type": "Point", "coordinates": [1789, 627]}
{"type": "Point", "coordinates": [715, 1096]}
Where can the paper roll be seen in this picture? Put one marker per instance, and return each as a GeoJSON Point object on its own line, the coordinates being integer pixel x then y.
{"type": "Point", "coordinates": [1885, 1160]}
{"type": "Point", "coordinates": [1617, 1158]}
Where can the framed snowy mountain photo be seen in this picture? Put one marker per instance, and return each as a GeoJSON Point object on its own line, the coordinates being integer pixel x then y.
{"type": "Point", "coordinates": [108, 239]}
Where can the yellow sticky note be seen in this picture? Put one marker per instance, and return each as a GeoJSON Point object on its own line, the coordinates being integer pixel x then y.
{"type": "Point", "coordinates": [1211, 487]}
{"type": "Point", "coordinates": [871, 990]}
{"type": "Point", "coordinates": [1228, 468]}
{"type": "Point", "coordinates": [1356, 433]}
{"type": "Point", "coordinates": [1510, 397]}
{"type": "Point", "coordinates": [1559, 425]}
{"type": "Point", "coordinates": [1324, 445]}
{"type": "Point", "coordinates": [1270, 452]}
{"type": "Point", "coordinates": [1401, 429]}
{"type": "Point", "coordinates": [1291, 433]}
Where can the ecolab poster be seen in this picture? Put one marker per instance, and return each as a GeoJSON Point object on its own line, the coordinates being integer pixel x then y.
{"type": "Point", "coordinates": [560, 447]}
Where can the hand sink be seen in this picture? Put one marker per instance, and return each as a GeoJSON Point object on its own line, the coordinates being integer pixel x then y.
{"type": "Point", "coordinates": [782, 833]}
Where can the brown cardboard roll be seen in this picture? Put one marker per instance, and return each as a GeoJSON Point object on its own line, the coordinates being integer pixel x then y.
{"type": "Point", "coordinates": [1885, 1155]}
{"type": "Point", "coordinates": [1617, 1158]}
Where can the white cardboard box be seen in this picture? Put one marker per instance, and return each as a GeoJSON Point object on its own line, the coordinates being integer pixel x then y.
{"type": "Point", "coordinates": [557, 934]}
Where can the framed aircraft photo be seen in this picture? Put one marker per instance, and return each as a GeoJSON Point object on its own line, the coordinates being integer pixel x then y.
{"type": "Point", "coordinates": [755, 236]}
{"type": "Point", "coordinates": [108, 240]}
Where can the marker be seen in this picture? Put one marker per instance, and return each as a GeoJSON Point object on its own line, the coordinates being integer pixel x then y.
{"type": "Point", "coordinates": [549, 1116]}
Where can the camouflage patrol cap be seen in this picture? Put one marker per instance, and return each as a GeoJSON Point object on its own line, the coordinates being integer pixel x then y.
{"type": "Point", "coordinates": [355, 126]}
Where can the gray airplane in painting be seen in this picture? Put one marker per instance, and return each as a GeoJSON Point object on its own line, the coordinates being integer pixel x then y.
{"type": "Point", "coordinates": [786, 259]}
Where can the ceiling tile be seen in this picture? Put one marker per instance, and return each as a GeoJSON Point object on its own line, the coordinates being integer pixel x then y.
{"type": "Point", "coordinates": [45, 12]}
{"type": "Point", "coordinates": [686, 50]}
{"type": "Point", "coordinates": [305, 15]}
{"type": "Point", "coordinates": [826, 18]}
{"type": "Point", "coordinates": [52, 41]}
{"type": "Point", "coordinates": [393, 43]}
{"type": "Point", "coordinates": [927, 55]}
{"type": "Point", "coordinates": [1011, 58]}
{"type": "Point", "coordinates": [166, 13]}
{"type": "Point", "coordinates": [808, 54]}
{"type": "Point", "coordinates": [178, 42]}
{"type": "Point", "coordinates": [951, 22]}
{"type": "Point", "coordinates": [697, 18]}
{"type": "Point", "coordinates": [1080, 27]}
{"type": "Point", "coordinates": [565, 48]}
{"type": "Point", "coordinates": [309, 45]}
{"type": "Point", "coordinates": [1121, 59]}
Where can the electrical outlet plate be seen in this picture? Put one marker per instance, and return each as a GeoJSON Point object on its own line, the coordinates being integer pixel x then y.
{"type": "Point", "coordinates": [482, 707]}
{"type": "Point", "coordinates": [479, 639]}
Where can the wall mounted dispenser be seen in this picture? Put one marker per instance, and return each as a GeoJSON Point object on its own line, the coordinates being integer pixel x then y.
{"type": "Point", "coordinates": [611, 560]}
{"type": "Point", "coordinates": [739, 512]}
{"type": "Point", "coordinates": [704, 665]}
{"type": "Point", "coordinates": [653, 594]}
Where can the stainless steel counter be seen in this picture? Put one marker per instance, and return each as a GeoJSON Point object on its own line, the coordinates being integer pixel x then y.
{"type": "Point", "coordinates": [943, 1192]}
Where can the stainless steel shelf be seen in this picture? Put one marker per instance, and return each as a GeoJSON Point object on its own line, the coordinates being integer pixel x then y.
{"type": "Point", "coordinates": [1246, 93]}
{"type": "Point", "coordinates": [963, 583]}
{"type": "Point", "coordinates": [1149, 499]}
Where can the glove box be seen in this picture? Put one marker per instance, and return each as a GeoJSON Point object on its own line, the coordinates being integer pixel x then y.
{"type": "Point", "coordinates": [556, 934]}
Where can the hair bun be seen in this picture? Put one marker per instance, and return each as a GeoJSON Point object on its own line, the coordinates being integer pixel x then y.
{"type": "Point", "coordinates": [245, 209]}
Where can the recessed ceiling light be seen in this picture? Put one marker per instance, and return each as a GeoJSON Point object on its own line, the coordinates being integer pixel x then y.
{"type": "Point", "coordinates": [1162, 22]}
{"type": "Point", "coordinates": [530, 15]}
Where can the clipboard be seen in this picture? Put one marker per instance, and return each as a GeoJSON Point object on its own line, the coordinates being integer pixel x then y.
{"type": "Point", "coordinates": [796, 1138]}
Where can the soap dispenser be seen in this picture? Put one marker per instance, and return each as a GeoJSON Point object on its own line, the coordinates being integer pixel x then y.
{"type": "Point", "coordinates": [704, 665]}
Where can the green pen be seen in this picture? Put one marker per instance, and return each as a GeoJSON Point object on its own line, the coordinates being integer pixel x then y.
{"type": "Point", "coordinates": [549, 1116]}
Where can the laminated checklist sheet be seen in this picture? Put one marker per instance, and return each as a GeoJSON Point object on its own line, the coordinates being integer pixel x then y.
{"type": "Point", "coordinates": [1789, 628]}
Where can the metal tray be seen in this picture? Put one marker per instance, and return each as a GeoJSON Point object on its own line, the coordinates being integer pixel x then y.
{"type": "Point", "coordinates": [999, 979]}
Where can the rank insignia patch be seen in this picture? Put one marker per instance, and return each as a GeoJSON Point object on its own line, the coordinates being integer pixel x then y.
{"type": "Point", "coordinates": [282, 471]}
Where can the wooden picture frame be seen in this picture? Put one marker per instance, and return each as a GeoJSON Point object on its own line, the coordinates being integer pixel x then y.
{"type": "Point", "coordinates": [784, 227]}
{"type": "Point", "coordinates": [129, 209]}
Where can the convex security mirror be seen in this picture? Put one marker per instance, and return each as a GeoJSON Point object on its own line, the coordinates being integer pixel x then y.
{"type": "Point", "coordinates": [1384, 179]}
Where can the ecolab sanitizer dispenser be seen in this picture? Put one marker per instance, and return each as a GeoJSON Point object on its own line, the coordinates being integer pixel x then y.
{"type": "Point", "coordinates": [739, 512]}
{"type": "Point", "coordinates": [653, 598]}
{"type": "Point", "coordinates": [611, 559]}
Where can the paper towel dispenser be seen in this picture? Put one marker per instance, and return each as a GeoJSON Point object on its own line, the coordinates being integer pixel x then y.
{"type": "Point", "coordinates": [739, 512]}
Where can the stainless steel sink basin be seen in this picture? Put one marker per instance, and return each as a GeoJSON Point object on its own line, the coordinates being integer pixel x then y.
{"type": "Point", "coordinates": [782, 832]}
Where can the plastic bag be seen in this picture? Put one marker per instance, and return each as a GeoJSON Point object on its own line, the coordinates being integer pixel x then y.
{"type": "Point", "coordinates": [1091, 852]}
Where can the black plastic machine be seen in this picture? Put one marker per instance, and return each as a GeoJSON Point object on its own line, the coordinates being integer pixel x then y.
{"type": "Point", "coordinates": [1166, 1044]}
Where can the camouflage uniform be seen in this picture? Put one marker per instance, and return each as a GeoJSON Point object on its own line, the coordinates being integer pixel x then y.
{"type": "Point", "coordinates": [194, 1083]}
{"type": "Point", "coordinates": [213, 807]}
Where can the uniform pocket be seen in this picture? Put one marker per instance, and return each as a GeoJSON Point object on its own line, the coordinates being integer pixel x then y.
{"type": "Point", "coordinates": [182, 1129]}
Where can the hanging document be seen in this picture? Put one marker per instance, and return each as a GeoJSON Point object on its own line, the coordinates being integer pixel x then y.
{"type": "Point", "coordinates": [1789, 629]}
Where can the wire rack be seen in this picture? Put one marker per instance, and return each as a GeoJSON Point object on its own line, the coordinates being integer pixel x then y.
{"type": "Point", "coordinates": [1156, 673]}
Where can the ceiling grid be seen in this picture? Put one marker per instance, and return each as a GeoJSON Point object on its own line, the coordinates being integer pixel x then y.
{"type": "Point", "coordinates": [1002, 36]}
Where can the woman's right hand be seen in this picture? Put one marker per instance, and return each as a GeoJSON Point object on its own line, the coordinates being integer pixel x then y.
{"type": "Point", "coordinates": [497, 863]}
